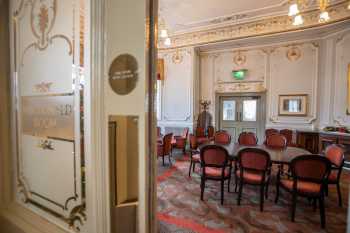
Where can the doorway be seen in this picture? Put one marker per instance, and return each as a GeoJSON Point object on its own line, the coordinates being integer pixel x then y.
{"type": "Point", "coordinates": [241, 113]}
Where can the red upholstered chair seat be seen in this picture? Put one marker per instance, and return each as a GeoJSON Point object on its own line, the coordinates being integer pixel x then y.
{"type": "Point", "coordinates": [302, 186]}
{"type": "Point", "coordinates": [196, 158]}
{"type": "Point", "coordinates": [216, 172]}
{"type": "Point", "coordinates": [251, 177]}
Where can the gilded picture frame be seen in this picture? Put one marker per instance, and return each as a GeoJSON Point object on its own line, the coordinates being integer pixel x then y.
{"type": "Point", "coordinates": [293, 105]}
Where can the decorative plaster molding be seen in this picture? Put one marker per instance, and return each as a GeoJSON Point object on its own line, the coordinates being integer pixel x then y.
{"type": "Point", "coordinates": [293, 53]}
{"type": "Point", "coordinates": [278, 24]}
{"type": "Point", "coordinates": [240, 87]}
{"type": "Point", "coordinates": [313, 110]}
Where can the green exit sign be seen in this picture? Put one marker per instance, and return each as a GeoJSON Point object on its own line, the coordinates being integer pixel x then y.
{"type": "Point", "coordinates": [239, 74]}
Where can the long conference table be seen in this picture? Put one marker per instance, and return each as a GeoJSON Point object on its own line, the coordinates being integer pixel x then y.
{"type": "Point", "coordinates": [278, 156]}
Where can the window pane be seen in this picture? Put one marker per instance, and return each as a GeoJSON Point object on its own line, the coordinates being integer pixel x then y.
{"type": "Point", "coordinates": [249, 110]}
{"type": "Point", "coordinates": [229, 110]}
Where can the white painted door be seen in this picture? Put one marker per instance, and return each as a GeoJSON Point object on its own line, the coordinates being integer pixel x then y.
{"type": "Point", "coordinates": [241, 114]}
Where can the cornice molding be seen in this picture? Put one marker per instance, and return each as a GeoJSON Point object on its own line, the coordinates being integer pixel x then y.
{"type": "Point", "coordinates": [274, 25]}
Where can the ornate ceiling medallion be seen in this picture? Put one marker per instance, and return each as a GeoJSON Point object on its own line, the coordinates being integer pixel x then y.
{"type": "Point", "coordinates": [239, 59]}
{"type": "Point", "coordinates": [177, 57]}
{"type": "Point", "coordinates": [293, 53]}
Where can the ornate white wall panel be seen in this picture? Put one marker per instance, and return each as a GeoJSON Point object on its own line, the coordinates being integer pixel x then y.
{"type": "Point", "coordinates": [342, 62]}
{"type": "Point", "coordinates": [50, 166]}
{"type": "Point", "coordinates": [296, 73]}
{"type": "Point", "coordinates": [177, 88]}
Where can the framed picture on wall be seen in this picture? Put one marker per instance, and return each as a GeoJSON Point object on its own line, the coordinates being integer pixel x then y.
{"type": "Point", "coordinates": [292, 105]}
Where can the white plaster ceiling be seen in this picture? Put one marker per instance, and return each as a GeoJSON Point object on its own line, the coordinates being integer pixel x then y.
{"type": "Point", "coordinates": [190, 15]}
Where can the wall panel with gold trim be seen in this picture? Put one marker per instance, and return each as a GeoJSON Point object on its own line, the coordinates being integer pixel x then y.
{"type": "Point", "coordinates": [49, 88]}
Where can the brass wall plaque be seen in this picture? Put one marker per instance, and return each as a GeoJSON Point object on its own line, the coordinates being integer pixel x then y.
{"type": "Point", "coordinates": [49, 116]}
{"type": "Point", "coordinates": [123, 74]}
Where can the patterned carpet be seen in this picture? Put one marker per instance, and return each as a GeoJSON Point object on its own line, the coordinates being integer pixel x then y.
{"type": "Point", "coordinates": [181, 211]}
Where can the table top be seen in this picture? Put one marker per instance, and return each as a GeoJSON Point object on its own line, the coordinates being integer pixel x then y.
{"type": "Point", "coordinates": [276, 155]}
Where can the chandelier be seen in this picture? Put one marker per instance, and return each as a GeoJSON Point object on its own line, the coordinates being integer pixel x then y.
{"type": "Point", "coordinates": [163, 33]}
{"type": "Point", "coordinates": [294, 11]}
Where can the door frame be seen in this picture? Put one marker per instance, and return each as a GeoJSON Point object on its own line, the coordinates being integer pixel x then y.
{"type": "Point", "coordinates": [262, 95]}
{"type": "Point", "coordinates": [99, 130]}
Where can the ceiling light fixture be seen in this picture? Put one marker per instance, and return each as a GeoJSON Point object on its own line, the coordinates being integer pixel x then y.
{"type": "Point", "coordinates": [349, 6]}
{"type": "Point", "coordinates": [324, 16]}
{"type": "Point", "coordinates": [293, 10]}
{"type": "Point", "coordinates": [167, 42]}
{"type": "Point", "coordinates": [298, 20]}
{"type": "Point", "coordinates": [163, 33]}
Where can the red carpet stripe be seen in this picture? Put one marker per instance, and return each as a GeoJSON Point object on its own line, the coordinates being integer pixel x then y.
{"type": "Point", "coordinates": [186, 223]}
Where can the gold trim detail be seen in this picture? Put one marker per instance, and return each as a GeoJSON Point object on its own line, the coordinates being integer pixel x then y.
{"type": "Point", "coordinates": [42, 23]}
{"type": "Point", "coordinates": [240, 59]}
{"type": "Point", "coordinates": [279, 24]}
{"type": "Point", "coordinates": [293, 53]}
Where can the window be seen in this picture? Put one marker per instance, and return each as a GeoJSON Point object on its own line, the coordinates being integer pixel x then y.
{"type": "Point", "coordinates": [229, 110]}
{"type": "Point", "coordinates": [249, 110]}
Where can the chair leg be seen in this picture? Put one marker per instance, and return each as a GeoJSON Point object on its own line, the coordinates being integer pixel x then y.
{"type": "Point", "coordinates": [236, 182]}
{"type": "Point", "coordinates": [294, 205]}
{"type": "Point", "coordinates": [222, 192]}
{"type": "Point", "coordinates": [267, 190]}
{"type": "Point", "coordinates": [262, 197]}
{"type": "Point", "coordinates": [322, 211]}
{"type": "Point", "coordinates": [193, 167]}
{"type": "Point", "coordinates": [240, 192]}
{"type": "Point", "coordinates": [339, 195]}
{"type": "Point", "coordinates": [326, 190]}
{"type": "Point", "coordinates": [277, 192]}
{"type": "Point", "coordinates": [314, 203]}
{"type": "Point", "coordinates": [170, 160]}
{"type": "Point", "coordinates": [202, 187]}
{"type": "Point", "coordinates": [189, 170]}
{"type": "Point", "coordinates": [163, 160]}
{"type": "Point", "coordinates": [228, 185]}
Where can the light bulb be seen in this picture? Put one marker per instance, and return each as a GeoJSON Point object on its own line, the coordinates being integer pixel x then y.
{"type": "Point", "coordinates": [167, 41]}
{"type": "Point", "coordinates": [298, 20]}
{"type": "Point", "coordinates": [349, 6]}
{"type": "Point", "coordinates": [163, 33]}
{"type": "Point", "coordinates": [324, 17]}
{"type": "Point", "coordinates": [293, 10]}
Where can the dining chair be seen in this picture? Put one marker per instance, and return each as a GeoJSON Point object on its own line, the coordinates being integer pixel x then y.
{"type": "Point", "coordinates": [247, 139]}
{"type": "Point", "coordinates": [194, 154]}
{"type": "Point", "coordinates": [254, 166]}
{"type": "Point", "coordinates": [222, 137]}
{"type": "Point", "coordinates": [200, 135]}
{"type": "Point", "coordinates": [180, 142]}
{"type": "Point", "coordinates": [276, 141]}
{"type": "Point", "coordinates": [335, 154]}
{"type": "Point", "coordinates": [309, 175]}
{"type": "Point", "coordinates": [164, 148]}
{"type": "Point", "coordinates": [268, 132]}
{"type": "Point", "coordinates": [215, 166]}
{"type": "Point", "coordinates": [289, 136]}
{"type": "Point", "coordinates": [211, 131]}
